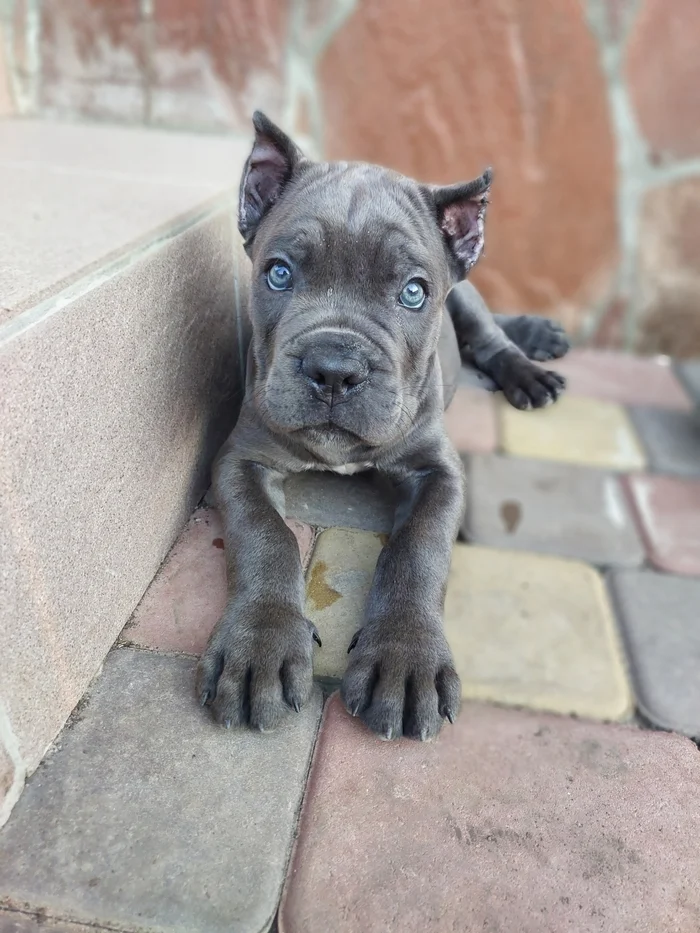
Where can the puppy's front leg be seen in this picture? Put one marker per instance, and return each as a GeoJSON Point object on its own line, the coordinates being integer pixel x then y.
{"type": "Point", "coordinates": [401, 678]}
{"type": "Point", "coordinates": [258, 661]}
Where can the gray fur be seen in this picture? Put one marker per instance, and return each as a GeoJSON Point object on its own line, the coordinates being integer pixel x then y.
{"type": "Point", "coordinates": [341, 376]}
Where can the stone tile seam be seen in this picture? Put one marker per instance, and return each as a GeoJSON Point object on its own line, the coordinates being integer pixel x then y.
{"type": "Point", "coordinates": [25, 86]}
{"type": "Point", "coordinates": [41, 916]}
{"type": "Point", "coordinates": [274, 919]}
{"type": "Point", "coordinates": [146, 13]}
{"type": "Point", "coordinates": [310, 779]}
{"type": "Point", "coordinates": [636, 175]}
{"type": "Point", "coordinates": [11, 746]}
{"type": "Point", "coordinates": [101, 273]}
{"type": "Point", "coordinates": [301, 59]}
{"type": "Point", "coordinates": [625, 484]}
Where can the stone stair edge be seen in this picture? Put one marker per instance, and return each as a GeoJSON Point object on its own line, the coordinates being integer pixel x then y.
{"type": "Point", "coordinates": [62, 293]}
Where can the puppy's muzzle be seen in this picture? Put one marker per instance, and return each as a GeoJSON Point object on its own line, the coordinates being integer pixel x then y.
{"type": "Point", "coordinates": [333, 369]}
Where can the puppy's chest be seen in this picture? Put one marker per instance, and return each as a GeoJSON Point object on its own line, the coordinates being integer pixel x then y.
{"type": "Point", "coordinates": [344, 469]}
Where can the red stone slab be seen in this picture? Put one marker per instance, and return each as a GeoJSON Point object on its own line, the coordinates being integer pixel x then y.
{"type": "Point", "coordinates": [188, 595]}
{"type": "Point", "coordinates": [668, 511]}
{"type": "Point", "coordinates": [622, 378]}
{"type": "Point", "coordinates": [510, 822]}
{"type": "Point", "coordinates": [471, 421]}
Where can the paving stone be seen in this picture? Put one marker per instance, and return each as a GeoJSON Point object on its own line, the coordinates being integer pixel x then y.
{"type": "Point", "coordinates": [337, 585]}
{"type": "Point", "coordinates": [586, 431]}
{"type": "Point", "coordinates": [149, 816]}
{"type": "Point", "coordinates": [16, 922]}
{"type": "Point", "coordinates": [671, 439]}
{"type": "Point", "coordinates": [668, 510]}
{"type": "Point", "coordinates": [623, 378]}
{"type": "Point", "coordinates": [186, 599]}
{"type": "Point", "coordinates": [556, 508]}
{"type": "Point", "coordinates": [510, 822]}
{"type": "Point", "coordinates": [530, 630]}
{"type": "Point", "coordinates": [689, 372]}
{"type": "Point", "coordinates": [659, 619]}
{"type": "Point", "coordinates": [328, 500]}
{"type": "Point", "coordinates": [471, 420]}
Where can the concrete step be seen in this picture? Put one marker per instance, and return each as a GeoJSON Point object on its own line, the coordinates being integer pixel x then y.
{"type": "Point", "coordinates": [121, 339]}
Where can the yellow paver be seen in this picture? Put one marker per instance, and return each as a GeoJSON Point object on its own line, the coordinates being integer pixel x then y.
{"type": "Point", "coordinates": [537, 631]}
{"type": "Point", "coordinates": [574, 430]}
{"type": "Point", "coordinates": [337, 584]}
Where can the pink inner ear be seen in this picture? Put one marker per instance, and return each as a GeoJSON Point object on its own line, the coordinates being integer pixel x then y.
{"type": "Point", "coordinates": [265, 177]}
{"type": "Point", "coordinates": [463, 223]}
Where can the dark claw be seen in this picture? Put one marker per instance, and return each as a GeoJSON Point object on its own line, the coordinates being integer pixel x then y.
{"type": "Point", "coordinates": [353, 642]}
{"type": "Point", "coordinates": [316, 637]}
{"type": "Point", "coordinates": [295, 706]}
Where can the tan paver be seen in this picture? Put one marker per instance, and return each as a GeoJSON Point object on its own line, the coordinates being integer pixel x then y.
{"type": "Point", "coordinates": [337, 584]}
{"type": "Point", "coordinates": [575, 430]}
{"type": "Point", "coordinates": [537, 631]}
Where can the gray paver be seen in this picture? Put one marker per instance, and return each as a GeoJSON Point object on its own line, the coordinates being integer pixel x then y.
{"type": "Point", "coordinates": [18, 922]}
{"type": "Point", "coordinates": [329, 500]}
{"type": "Point", "coordinates": [671, 439]}
{"type": "Point", "coordinates": [508, 823]}
{"type": "Point", "coordinates": [689, 371]}
{"type": "Point", "coordinates": [150, 816]}
{"type": "Point", "coordinates": [660, 619]}
{"type": "Point", "coordinates": [553, 508]}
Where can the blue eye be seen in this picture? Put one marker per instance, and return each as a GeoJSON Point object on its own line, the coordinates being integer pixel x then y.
{"type": "Point", "coordinates": [279, 277]}
{"type": "Point", "coordinates": [413, 295]}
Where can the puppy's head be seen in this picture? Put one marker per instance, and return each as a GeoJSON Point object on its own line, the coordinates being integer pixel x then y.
{"type": "Point", "coordinates": [351, 267]}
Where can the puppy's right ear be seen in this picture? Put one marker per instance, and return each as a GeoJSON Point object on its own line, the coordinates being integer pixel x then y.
{"type": "Point", "coordinates": [269, 167]}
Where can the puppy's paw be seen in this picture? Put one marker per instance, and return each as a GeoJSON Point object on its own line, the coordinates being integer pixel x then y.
{"type": "Point", "coordinates": [524, 384]}
{"type": "Point", "coordinates": [539, 338]}
{"type": "Point", "coordinates": [536, 388]}
{"type": "Point", "coordinates": [401, 684]}
{"type": "Point", "coordinates": [257, 666]}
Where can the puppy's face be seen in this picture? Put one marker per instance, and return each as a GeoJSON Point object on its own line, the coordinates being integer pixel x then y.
{"type": "Point", "coordinates": [351, 267]}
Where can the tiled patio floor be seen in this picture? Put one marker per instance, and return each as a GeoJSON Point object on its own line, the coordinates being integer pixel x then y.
{"type": "Point", "coordinates": [574, 601]}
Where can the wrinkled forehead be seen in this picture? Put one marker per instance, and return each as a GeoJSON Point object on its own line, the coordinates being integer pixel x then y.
{"type": "Point", "coordinates": [362, 217]}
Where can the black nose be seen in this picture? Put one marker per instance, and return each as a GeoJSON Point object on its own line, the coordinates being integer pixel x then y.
{"type": "Point", "coordinates": [333, 373]}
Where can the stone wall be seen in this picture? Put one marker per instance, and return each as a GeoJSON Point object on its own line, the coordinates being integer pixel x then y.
{"type": "Point", "coordinates": [589, 111]}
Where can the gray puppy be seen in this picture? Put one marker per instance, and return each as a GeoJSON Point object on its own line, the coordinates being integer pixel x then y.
{"type": "Point", "coordinates": [352, 362]}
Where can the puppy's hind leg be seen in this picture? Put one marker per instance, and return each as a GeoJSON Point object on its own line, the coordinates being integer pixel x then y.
{"type": "Point", "coordinates": [485, 345]}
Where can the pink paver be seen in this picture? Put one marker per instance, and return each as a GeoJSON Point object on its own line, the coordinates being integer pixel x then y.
{"type": "Point", "coordinates": [471, 421]}
{"type": "Point", "coordinates": [186, 599]}
{"type": "Point", "coordinates": [618, 377]}
{"type": "Point", "coordinates": [510, 823]}
{"type": "Point", "coordinates": [668, 511]}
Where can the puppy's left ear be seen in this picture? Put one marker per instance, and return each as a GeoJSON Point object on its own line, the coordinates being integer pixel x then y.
{"type": "Point", "coordinates": [460, 211]}
{"type": "Point", "coordinates": [267, 172]}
